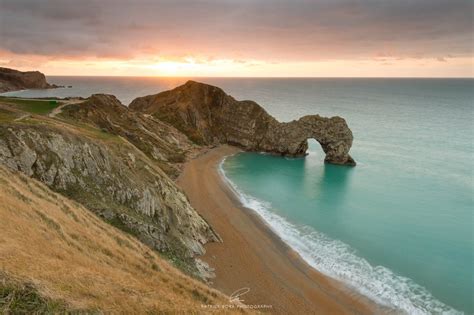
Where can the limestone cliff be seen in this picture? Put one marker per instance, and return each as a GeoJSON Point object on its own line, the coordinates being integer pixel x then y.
{"type": "Point", "coordinates": [207, 115]}
{"type": "Point", "coordinates": [159, 141]}
{"type": "Point", "coordinates": [108, 175]}
{"type": "Point", "coordinates": [12, 80]}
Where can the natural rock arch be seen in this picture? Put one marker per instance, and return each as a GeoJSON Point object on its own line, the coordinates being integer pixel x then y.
{"type": "Point", "coordinates": [207, 115]}
{"type": "Point", "coordinates": [291, 138]}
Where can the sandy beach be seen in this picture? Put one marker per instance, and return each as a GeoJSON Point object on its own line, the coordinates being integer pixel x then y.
{"type": "Point", "coordinates": [252, 256]}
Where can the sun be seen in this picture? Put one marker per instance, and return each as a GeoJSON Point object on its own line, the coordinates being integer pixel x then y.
{"type": "Point", "coordinates": [173, 68]}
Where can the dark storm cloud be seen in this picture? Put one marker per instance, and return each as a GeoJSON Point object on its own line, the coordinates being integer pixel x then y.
{"type": "Point", "coordinates": [271, 29]}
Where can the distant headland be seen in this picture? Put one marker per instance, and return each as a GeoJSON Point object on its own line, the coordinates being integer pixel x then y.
{"type": "Point", "coordinates": [14, 80]}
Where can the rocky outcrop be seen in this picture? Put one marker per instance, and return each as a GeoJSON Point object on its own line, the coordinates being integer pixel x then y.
{"type": "Point", "coordinates": [207, 115]}
{"type": "Point", "coordinates": [110, 177]}
{"type": "Point", "coordinates": [159, 141]}
{"type": "Point", "coordinates": [12, 80]}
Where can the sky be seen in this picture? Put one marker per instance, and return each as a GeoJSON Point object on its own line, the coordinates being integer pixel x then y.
{"type": "Point", "coordinates": [250, 38]}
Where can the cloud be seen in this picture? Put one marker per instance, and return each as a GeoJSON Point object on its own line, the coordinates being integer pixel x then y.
{"type": "Point", "coordinates": [272, 30]}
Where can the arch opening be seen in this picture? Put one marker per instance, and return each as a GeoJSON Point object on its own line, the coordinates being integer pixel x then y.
{"type": "Point", "coordinates": [334, 152]}
{"type": "Point", "coordinates": [315, 149]}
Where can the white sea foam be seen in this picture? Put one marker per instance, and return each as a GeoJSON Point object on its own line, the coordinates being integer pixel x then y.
{"type": "Point", "coordinates": [339, 261]}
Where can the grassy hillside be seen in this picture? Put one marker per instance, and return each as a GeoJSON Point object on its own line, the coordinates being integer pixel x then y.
{"type": "Point", "coordinates": [108, 175]}
{"type": "Point", "coordinates": [19, 297]}
{"type": "Point", "coordinates": [55, 255]}
{"type": "Point", "coordinates": [41, 107]}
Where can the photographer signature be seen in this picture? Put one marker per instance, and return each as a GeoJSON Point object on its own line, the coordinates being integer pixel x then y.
{"type": "Point", "coordinates": [235, 297]}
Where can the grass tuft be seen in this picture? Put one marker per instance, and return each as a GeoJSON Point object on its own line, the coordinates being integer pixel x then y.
{"type": "Point", "coordinates": [24, 298]}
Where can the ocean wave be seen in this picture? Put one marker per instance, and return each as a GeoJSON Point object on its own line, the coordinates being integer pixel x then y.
{"type": "Point", "coordinates": [339, 261]}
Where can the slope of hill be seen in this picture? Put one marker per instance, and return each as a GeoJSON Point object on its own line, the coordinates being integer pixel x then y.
{"type": "Point", "coordinates": [55, 255]}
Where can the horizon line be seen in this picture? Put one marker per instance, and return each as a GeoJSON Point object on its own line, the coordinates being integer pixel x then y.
{"type": "Point", "coordinates": [255, 77]}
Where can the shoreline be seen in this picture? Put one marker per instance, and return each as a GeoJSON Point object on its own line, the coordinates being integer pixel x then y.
{"type": "Point", "coordinates": [253, 256]}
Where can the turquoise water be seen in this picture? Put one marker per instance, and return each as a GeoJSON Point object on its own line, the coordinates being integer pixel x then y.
{"type": "Point", "coordinates": [399, 226]}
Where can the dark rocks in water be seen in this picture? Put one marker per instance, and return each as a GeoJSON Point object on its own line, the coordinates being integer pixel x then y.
{"type": "Point", "coordinates": [207, 115]}
{"type": "Point", "coordinates": [13, 80]}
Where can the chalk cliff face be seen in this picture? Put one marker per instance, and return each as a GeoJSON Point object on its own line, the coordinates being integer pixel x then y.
{"type": "Point", "coordinates": [207, 115]}
{"type": "Point", "coordinates": [108, 175]}
{"type": "Point", "coordinates": [12, 80]}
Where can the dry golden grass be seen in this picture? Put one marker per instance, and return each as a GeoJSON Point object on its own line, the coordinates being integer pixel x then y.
{"type": "Point", "coordinates": [71, 255]}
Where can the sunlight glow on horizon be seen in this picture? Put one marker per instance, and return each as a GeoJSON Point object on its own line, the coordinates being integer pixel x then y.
{"type": "Point", "coordinates": [151, 65]}
{"type": "Point", "coordinates": [194, 67]}
{"type": "Point", "coordinates": [316, 38]}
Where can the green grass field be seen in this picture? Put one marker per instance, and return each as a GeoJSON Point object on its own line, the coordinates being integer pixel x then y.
{"type": "Point", "coordinates": [41, 107]}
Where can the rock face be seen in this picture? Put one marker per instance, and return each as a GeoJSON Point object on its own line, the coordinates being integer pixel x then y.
{"type": "Point", "coordinates": [207, 115]}
{"type": "Point", "coordinates": [12, 80]}
{"type": "Point", "coordinates": [110, 177]}
{"type": "Point", "coordinates": [159, 141]}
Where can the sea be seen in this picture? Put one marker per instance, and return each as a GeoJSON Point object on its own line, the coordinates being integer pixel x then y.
{"type": "Point", "coordinates": [399, 226]}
